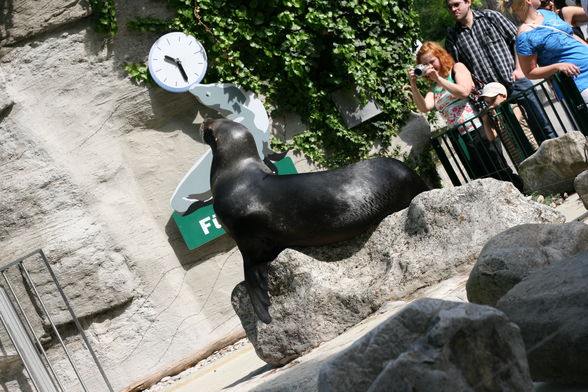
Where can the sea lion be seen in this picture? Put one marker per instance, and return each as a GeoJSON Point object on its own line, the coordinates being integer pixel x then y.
{"type": "Point", "coordinates": [267, 213]}
{"type": "Point", "coordinates": [235, 103]}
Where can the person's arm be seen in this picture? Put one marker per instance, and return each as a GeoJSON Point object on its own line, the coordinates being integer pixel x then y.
{"type": "Point", "coordinates": [463, 80]}
{"type": "Point", "coordinates": [532, 71]}
{"type": "Point", "coordinates": [491, 133]}
{"type": "Point", "coordinates": [423, 104]}
{"type": "Point", "coordinates": [518, 71]}
{"type": "Point", "coordinates": [574, 15]}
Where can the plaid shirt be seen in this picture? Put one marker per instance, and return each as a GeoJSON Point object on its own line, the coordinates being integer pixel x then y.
{"type": "Point", "coordinates": [487, 49]}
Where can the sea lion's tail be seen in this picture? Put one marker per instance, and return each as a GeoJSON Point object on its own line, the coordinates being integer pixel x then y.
{"type": "Point", "coordinates": [256, 279]}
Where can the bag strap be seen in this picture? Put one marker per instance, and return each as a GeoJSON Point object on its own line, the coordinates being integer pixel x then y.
{"type": "Point", "coordinates": [558, 30]}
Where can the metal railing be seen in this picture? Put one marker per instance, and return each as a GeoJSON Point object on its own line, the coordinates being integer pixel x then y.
{"type": "Point", "coordinates": [21, 331]}
{"type": "Point", "coordinates": [465, 156]}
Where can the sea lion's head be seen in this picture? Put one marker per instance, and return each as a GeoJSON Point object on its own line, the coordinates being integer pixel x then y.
{"type": "Point", "coordinates": [228, 137]}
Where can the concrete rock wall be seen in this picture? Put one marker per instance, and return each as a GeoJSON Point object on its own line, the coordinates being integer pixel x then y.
{"type": "Point", "coordinates": [88, 162]}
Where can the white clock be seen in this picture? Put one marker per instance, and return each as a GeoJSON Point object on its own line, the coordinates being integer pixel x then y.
{"type": "Point", "coordinates": [177, 61]}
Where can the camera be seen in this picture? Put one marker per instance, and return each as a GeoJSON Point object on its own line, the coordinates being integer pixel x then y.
{"type": "Point", "coordinates": [420, 70]}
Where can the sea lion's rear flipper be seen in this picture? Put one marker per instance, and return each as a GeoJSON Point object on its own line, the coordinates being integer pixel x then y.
{"type": "Point", "coordinates": [256, 279]}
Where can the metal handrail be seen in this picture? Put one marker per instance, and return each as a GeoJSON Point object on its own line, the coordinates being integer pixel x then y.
{"type": "Point", "coordinates": [19, 263]}
{"type": "Point", "coordinates": [445, 141]}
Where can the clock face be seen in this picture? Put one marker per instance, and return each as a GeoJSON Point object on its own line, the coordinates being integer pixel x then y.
{"type": "Point", "coordinates": [177, 61]}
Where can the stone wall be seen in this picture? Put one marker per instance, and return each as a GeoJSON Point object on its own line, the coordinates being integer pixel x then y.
{"type": "Point", "coordinates": [88, 162]}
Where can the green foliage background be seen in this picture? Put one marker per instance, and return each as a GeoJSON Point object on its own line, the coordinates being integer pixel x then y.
{"type": "Point", "coordinates": [296, 53]}
{"type": "Point", "coordinates": [435, 19]}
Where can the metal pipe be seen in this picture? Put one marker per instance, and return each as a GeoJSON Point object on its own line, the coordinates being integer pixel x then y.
{"type": "Point", "coordinates": [20, 354]}
{"type": "Point", "coordinates": [555, 111]}
{"type": "Point", "coordinates": [76, 321]}
{"type": "Point", "coordinates": [19, 260]}
{"type": "Point", "coordinates": [32, 332]}
{"type": "Point", "coordinates": [33, 287]}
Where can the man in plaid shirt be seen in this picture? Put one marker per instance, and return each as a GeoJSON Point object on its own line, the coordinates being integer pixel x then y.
{"type": "Point", "coordinates": [484, 41]}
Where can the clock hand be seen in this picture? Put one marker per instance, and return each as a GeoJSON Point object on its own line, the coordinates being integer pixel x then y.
{"type": "Point", "coordinates": [179, 63]}
{"type": "Point", "coordinates": [170, 59]}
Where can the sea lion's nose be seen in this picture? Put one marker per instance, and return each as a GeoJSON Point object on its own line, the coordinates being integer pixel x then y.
{"type": "Point", "coordinates": [204, 127]}
{"type": "Point", "coordinates": [206, 131]}
{"type": "Point", "coordinates": [206, 123]}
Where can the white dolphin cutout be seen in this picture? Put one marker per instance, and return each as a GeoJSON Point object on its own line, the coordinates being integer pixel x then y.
{"type": "Point", "coordinates": [236, 104]}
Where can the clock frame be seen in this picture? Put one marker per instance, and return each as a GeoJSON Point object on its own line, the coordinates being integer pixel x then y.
{"type": "Point", "coordinates": [177, 61]}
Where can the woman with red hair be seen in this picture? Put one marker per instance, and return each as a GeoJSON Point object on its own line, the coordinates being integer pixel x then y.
{"type": "Point", "coordinates": [449, 93]}
{"type": "Point", "coordinates": [479, 149]}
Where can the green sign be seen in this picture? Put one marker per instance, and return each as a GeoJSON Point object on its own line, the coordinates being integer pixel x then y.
{"type": "Point", "coordinates": [201, 226]}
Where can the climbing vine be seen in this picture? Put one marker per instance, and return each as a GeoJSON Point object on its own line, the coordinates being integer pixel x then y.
{"type": "Point", "coordinates": [296, 53]}
{"type": "Point", "coordinates": [104, 14]}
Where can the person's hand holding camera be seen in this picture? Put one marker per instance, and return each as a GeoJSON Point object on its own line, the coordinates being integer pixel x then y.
{"type": "Point", "coordinates": [431, 74]}
{"type": "Point", "coordinates": [412, 77]}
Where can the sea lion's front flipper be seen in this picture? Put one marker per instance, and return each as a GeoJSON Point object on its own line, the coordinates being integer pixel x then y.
{"type": "Point", "coordinates": [256, 279]}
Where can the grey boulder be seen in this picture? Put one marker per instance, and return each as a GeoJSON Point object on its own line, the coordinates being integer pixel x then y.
{"type": "Point", "coordinates": [581, 187]}
{"type": "Point", "coordinates": [515, 253]}
{"type": "Point", "coordinates": [434, 345]}
{"type": "Point", "coordinates": [551, 308]}
{"type": "Point", "coordinates": [553, 168]}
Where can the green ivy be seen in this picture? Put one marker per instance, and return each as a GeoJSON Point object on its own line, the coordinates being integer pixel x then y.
{"type": "Point", "coordinates": [296, 53]}
{"type": "Point", "coordinates": [104, 14]}
{"type": "Point", "coordinates": [138, 72]}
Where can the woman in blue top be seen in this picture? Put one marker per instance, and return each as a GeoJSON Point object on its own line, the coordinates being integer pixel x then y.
{"type": "Point", "coordinates": [546, 44]}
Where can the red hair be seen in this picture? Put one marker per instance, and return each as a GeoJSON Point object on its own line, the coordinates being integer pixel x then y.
{"type": "Point", "coordinates": [434, 49]}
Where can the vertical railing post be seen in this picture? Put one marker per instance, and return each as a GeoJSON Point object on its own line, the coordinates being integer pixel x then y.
{"type": "Point", "coordinates": [445, 162]}
{"type": "Point", "coordinates": [574, 101]}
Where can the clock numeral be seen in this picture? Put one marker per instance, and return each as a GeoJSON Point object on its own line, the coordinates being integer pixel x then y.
{"type": "Point", "coordinates": [157, 70]}
{"type": "Point", "coordinates": [169, 43]}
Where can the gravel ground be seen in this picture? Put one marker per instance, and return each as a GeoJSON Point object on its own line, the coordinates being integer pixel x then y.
{"type": "Point", "coordinates": [168, 381]}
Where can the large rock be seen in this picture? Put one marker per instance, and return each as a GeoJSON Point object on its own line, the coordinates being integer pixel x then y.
{"type": "Point", "coordinates": [551, 308]}
{"type": "Point", "coordinates": [515, 253]}
{"type": "Point", "coordinates": [581, 187]}
{"type": "Point", "coordinates": [318, 294]}
{"type": "Point", "coordinates": [449, 345]}
{"type": "Point", "coordinates": [553, 167]}
{"type": "Point", "coordinates": [20, 19]}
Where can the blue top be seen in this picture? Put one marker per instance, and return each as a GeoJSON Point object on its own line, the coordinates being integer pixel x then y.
{"type": "Point", "coordinates": [555, 46]}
